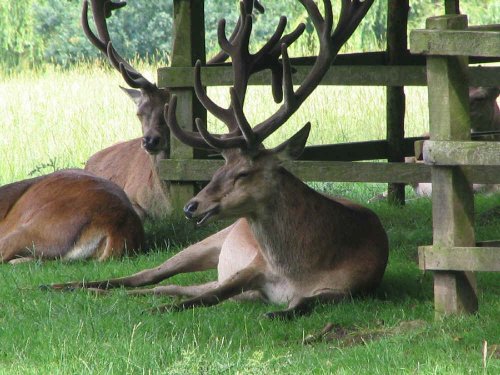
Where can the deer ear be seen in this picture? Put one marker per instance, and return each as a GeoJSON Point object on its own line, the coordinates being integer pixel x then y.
{"type": "Point", "coordinates": [292, 148]}
{"type": "Point", "coordinates": [135, 95]}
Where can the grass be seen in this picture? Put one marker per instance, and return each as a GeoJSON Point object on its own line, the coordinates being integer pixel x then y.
{"type": "Point", "coordinates": [54, 119]}
{"type": "Point", "coordinates": [58, 118]}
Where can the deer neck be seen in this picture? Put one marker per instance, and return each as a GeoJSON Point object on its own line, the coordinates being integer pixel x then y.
{"type": "Point", "coordinates": [285, 226]}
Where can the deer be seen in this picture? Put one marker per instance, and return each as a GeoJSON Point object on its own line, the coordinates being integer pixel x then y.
{"type": "Point", "coordinates": [484, 110]}
{"type": "Point", "coordinates": [485, 125]}
{"type": "Point", "coordinates": [69, 215]}
{"type": "Point", "coordinates": [132, 164]}
{"type": "Point", "coordinates": [290, 244]}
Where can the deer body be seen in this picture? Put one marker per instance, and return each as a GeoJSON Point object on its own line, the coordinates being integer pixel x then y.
{"type": "Point", "coordinates": [129, 166]}
{"type": "Point", "coordinates": [295, 243]}
{"type": "Point", "coordinates": [68, 214]}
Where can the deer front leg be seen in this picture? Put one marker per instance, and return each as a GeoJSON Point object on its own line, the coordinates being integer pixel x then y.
{"type": "Point", "coordinates": [175, 290]}
{"type": "Point", "coordinates": [249, 278]}
{"type": "Point", "coordinates": [201, 256]}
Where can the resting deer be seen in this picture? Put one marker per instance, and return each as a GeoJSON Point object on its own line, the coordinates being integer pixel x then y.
{"type": "Point", "coordinates": [484, 110]}
{"type": "Point", "coordinates": [132, 164]}
{"type": "Point", "coordinates": [484, 119]}
{"type": "Point", "coordinates": [295, 245]}
{"type": "Point", "coordinates": [69, 214]}
{"type": "Point", "coordinates": [485, 124]}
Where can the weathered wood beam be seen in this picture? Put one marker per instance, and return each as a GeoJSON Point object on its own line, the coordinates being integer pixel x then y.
{"type": "Point", "coordinates": [356, 151]}
{"type": "Point", "coordinates": [397, 50]}
{"type": "Point", "coordinates": [441, 258]}
{"type": "Point", "coordinates": [462, 153]}
{"type": "Point", "coordinates": [451, 7]}
{"type": "Point", "coordinates": [455, 43]}
{"type": "Point", "coordinates": [339, 171]}
{"type": "Point", "coordinates": [337, 75]}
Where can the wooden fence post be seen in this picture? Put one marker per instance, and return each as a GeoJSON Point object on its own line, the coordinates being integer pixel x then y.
{"type": "Point", "coordinates": [452, 198]}
{"type": "Point", "coordinates": [188, 46]}
{"type": "Point", "coordinates": [397, 49]}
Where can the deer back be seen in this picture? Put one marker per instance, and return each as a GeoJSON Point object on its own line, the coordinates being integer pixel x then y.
{"type": "Point", "coordinates": [68, 214]}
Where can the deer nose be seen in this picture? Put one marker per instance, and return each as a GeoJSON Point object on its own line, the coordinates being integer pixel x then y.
{"type": "Point", "coordinates": [150, 143]}
{"type": "Point", "coordinates": [190, 209]}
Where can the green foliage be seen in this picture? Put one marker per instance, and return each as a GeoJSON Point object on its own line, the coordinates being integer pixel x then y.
{"type": "Point", "coordinates": [19, 43]}
{"type": "Point", "coordinates": [49, 30]}
{"type": "Point", "coordinates": [137, 30]}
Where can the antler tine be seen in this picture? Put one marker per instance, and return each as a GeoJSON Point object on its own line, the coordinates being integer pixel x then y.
{"type": "Point", "coordinates": [241, 120]}
{"type": "Point", "coordinates": [352, 12]}
{"type": "Point", "coordinates": [131, 76]}
{"type": "Point", "coordinates": [190, 138]}
{"type": "Point", "coordinates": [222, 114]}
{"type": "Point", "coordinates": [203, 139]}
{"type": "Point", "coordinates": [223, 56]}
{"type": "Point", "coordinates": [101, 10]}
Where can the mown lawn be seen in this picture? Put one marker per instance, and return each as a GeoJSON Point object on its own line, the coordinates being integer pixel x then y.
{"type": "Point", "coordinates": [392, 332]}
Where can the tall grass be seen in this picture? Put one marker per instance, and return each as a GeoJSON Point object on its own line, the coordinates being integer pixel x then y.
{"type": "Point", "coordinates": [54, 118]}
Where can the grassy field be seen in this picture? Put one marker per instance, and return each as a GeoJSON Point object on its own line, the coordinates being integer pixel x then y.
{"type": "Point", "coordinates": [55, 119]}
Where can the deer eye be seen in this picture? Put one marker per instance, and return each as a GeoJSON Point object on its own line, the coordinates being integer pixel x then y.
{"type": "Point", "coordinates": [242, 175]}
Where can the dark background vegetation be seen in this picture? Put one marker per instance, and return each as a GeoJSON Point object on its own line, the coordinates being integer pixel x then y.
{"type": "Point", "coordinates": [36, 31]}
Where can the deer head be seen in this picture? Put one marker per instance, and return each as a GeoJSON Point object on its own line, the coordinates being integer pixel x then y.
{"type": "Point", "coordinates": [243, 186]}
{"type": "Point", "coordinates": [484, 110]}
{"type": "Point", "coordinates": [148, 98]}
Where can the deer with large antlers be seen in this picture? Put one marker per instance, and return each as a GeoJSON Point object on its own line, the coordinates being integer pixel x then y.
{"type": "Point", "coordinates": [294, 245]}
{"type": "Point", "coordinates": [132, 164]}
{"type": "Point", "coordinates": [69, 214]}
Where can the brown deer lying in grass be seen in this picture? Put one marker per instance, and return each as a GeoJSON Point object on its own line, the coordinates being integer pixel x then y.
{"type": "Point", "coordinates": [484, 110]}
{"type": "Point", "coordinates": [132, 164]}
{"type": "Point", "coordinates": [69, 214]}
{"type": "Point", "coordinates": [485, 119]}
{"type": "Point", "coordinates": [295, 245]}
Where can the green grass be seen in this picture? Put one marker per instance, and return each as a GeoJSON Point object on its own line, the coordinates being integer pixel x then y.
{"type": "Point", "coordinates": [59, 118]}
{"type": "Point", "coordinates": [63, 333]}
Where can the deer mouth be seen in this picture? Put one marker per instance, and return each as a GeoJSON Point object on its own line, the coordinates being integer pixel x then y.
{"type": "Point", "coordinates": [207, 215]}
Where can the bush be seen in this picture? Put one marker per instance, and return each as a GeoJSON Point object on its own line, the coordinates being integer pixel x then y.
{"type": "Point", "coordinates": [49, 30]}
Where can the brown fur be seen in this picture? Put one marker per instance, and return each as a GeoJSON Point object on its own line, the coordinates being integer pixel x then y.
{"type": "Point", "coordinates": [68, 214]}
{"type": "Point", "coordinates": [129, 166]}
{"type": "Point", "coordinates": [484, 110]}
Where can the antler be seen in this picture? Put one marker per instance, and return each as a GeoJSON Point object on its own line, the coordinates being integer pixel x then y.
{"type": "Point", "coordinates": [241, 135]}
{"type": "Point", "coordinates": [223, 56]}
{"type": "Point", "coordinates": [244, 65]}
{"type": "Point", "coordinates": [101, 10]}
